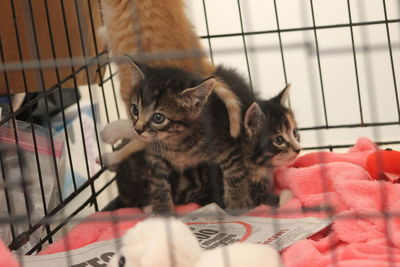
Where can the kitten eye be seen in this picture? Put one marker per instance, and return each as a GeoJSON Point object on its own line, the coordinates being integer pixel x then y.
{"type": "Point", "coordinates": [121, 262]}
{"type": "Point", "coordinates": [295, 133]}
{"type": "Point", "coordinates": [158, 118]}
{"type": "Point", "coordinates": [134, 110]}
{"type": "Point", "coordinates": [279, 140]}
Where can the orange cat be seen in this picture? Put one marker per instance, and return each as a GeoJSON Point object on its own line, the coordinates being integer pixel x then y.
{"type": "Point", "coordinates": [159, 30]}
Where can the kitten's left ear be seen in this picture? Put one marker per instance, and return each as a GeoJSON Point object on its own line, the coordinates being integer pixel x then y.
{"type": "Point", "coordinates": [136, 71]}
{"type": "Point", "coordinates": [283, 96]}
{"type": "Point", "coordinates": [194, 98]}
{"type": "Point", "coordinates": [252, 119]}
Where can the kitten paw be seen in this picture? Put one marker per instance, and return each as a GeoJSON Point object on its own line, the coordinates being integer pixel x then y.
{"type": "Point", "coordinates": [285, 196]}
{"type": "Point", "coordinates": [117, 130]}
{"type": "Point", "coordinates": [239, 207]}
{"type": "Point", "coordinates": [161, 205]}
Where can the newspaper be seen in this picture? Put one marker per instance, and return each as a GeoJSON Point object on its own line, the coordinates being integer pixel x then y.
{"type": "Point", "coordinates": [212, 227]}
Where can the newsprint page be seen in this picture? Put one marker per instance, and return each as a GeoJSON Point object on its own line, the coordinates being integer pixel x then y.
{"type": "Point", "coordinates": [212, 227]}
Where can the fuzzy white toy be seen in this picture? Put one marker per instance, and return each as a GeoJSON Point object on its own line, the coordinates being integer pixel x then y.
{"type": "Point", "coordinates": [158, 242]}
{"type": "Point", "coordinates": [111, 134]}
{"type": "Point", "coordinates": [168, 242]}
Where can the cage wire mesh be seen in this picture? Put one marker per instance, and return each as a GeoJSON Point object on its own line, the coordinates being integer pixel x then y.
{"type": "Point", "coordinates": [60, 86]}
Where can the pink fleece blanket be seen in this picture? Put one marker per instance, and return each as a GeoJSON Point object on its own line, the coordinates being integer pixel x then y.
{"type": "Point", "coordinates": [360, 235]}
{"type": "Point", "coordinates": [6, 259]}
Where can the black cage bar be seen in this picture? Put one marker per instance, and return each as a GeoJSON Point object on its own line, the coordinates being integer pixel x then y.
{"type": "Point", "coordinates": [88, 63]}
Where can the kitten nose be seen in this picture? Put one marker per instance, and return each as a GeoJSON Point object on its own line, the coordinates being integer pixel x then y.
{"type": "Point", "coordinates": [140, 131]}
{"type": "Point", "coordinates": [297, 151]}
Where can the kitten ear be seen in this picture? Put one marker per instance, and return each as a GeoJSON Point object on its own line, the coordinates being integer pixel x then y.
{"type": "Point", "coordinates": [137, 73]}
{"type": "Point", "coordinates": [194, 98]}
{"type": "Point", "coordinates": [252, 119]}
{"type": "Point", "coordinates": [283, 96]}
{"type": "Point", "coordinates": [201, 91]}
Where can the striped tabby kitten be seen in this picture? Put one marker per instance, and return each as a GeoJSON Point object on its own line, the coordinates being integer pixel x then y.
{"type": "Point", "coordinates": [154, 28]}
{"type": "Point", "coordinates": [188, 127]}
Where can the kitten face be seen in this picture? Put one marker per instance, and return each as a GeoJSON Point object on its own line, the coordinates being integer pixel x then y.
{"type": "Point", "coordinates": [167, 101]}
{"type": "Point", "coordinates": [152, 119]}
{"type": "Point", "coordinates": [286, 142]}
{"type": "Point", "coordinates": [275, 139]}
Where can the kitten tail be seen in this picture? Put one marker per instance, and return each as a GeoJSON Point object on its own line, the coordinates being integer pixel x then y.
{"type": "Point", "coordinates": [232, 105]}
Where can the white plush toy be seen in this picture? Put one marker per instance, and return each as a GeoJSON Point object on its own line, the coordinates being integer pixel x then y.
{"type": "Point", "coordinates": [157, 242]}
{"type": "Point", "coordinates": [168, 242]}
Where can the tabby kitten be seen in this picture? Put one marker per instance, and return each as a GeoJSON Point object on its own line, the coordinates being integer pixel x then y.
{"type": "Point", "coordinates": [278, 146]}
{"type": "Point", "coordinates": [149, 27]}
{"type": "Point", "coordinates": [187, 125]}
{"type": "Point", "coordinates": [202, 184]}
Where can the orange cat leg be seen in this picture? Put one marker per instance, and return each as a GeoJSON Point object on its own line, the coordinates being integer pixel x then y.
{"type": "Point", "coordinates": [232, 105]}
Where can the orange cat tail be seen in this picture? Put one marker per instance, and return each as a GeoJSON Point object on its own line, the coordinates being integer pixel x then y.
{"type": "Point", "coordinates": [232, 105]}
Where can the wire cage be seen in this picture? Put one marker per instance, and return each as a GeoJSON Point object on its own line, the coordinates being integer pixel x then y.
{"type": "Point", "coordinates": [59, 86]}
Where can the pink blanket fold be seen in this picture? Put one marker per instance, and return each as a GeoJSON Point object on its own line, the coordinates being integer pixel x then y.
{"type": "Point", "coordinates": [359, 236]}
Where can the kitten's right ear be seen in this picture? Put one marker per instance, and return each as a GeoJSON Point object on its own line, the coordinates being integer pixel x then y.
{"type": "Point", "coordinates": [283, 96]}
{"type": "Point", "coordinates": [194, 99]}
{"type": "Point", "coordinates": [137, 73]}
{"type": "Point", "coordinates": [199, 93]}
{"type": "Point", "coordinates": [253, 119]}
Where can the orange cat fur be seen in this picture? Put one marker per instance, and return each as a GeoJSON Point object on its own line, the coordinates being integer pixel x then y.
{"type": "Point", "coordinates": [155, 28]}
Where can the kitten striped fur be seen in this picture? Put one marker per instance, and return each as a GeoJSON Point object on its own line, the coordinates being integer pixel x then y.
{"type": "Point", "coordinates": [187, 126]}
